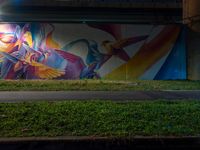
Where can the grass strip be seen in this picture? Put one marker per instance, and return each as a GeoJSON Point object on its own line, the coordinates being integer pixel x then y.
{"type": "Point", "coordinates": [95, 85]}
{"type": "Point", "coordinates": [100, 118]}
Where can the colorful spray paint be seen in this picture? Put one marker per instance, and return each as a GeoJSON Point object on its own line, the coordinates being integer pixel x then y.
{"type": "Point", "coordinates": [79, 51]}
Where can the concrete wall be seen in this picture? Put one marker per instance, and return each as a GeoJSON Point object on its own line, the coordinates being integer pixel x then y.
{"type": "Point", "coordinates": [191, 17]}
{"type": "Point", "coordinates": [193, 48]}
{"type": "Point", "coordinates": [77, 51]}
{"type": "Point", "coordinates": [191, 14]}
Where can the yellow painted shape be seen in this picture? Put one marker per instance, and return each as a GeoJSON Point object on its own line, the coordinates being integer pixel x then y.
{"type": "Point", "coordinates": [28, 38]}
{"type": "Point", "coordinates": [146, 56]}
{"type": "Point", "coordinates": [50, 42]}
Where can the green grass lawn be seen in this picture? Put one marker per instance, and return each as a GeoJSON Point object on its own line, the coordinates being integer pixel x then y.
{"type": "Point", "coordinates": [100, 118]}
{"type": "Point", "coordinates": [98, 85]}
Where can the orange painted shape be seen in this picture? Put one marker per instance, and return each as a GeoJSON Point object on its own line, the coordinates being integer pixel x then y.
{"type": "Point", "coordinates": [50, 42]}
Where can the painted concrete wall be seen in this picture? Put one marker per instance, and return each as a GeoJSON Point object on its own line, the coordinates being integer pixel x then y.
{"type": "Point", "coordinates": [78, 51]}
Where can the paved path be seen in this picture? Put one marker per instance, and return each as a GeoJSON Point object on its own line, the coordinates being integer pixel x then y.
{"type": "Point", "coordinates": [22, 96]}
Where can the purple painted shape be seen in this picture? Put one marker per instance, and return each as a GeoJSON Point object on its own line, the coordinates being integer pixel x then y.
{"type": "Point", "coordinates": [74, 67]}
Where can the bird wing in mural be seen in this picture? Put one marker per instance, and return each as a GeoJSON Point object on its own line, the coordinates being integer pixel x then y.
{"type": "Point", "coordinates": [46, 72]}
{"type": "Point", "coordinates": [9, 57]}
{"type": "Point", "coordinates": [41, 70]}
{"type": "Point", "coordinates": [18, 64]}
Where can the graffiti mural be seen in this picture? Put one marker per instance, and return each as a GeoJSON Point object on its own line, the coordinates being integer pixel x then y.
{"type": "Point", "coordinates": [79, 51]}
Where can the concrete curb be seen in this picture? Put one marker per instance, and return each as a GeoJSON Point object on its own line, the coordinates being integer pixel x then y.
{"type": "Point", "coordinates": [100, 143]}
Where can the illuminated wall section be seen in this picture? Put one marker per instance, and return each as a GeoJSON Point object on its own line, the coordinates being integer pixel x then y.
{"type": "Point", "coordinates": [79, 51]}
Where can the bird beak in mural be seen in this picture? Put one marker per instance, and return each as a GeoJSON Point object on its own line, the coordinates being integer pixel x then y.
{"type": "Point", "coordinates": [117, 48]}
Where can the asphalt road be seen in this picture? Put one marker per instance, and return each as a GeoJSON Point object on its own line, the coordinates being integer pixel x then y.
{"type": "Point", "coordinates": [23, 96]}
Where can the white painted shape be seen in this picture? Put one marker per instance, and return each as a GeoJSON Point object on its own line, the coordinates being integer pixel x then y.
{"type": "Point", "coordinates": [137, 30]}
{"type": "Point", "coordinates": [7, 28]}
{"type": "Point", "coordinates": [65, 33]}
{"type": "Point", "coordinates": [113, 63]}
{"type": "Point", "coordinates": [154, 32]}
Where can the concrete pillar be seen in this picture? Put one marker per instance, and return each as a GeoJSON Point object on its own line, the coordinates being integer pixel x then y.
{"type": "Point", "coordinates": [191, 17]}
{"type": "Point", "coordinates": [193, 55]}
{"type": "Point", "coordinates": [191, 14]}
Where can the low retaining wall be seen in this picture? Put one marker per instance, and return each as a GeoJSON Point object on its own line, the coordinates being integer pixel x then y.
{"type": "Point", "coordinates": [92, 143]}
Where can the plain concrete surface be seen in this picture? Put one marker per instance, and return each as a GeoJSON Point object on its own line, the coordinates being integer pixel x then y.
{"type": "Point", "coordinates": [25, 96]}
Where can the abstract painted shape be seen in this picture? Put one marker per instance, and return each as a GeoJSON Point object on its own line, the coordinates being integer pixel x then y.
{"type": "Point", "coordinates": [116, 48]}
{"type": "Point", "coordinates": [31, 51]}
{"type": "Point", "coordinates": [171, 69]}
{"type": "Point", "coordinates": [148, 54]}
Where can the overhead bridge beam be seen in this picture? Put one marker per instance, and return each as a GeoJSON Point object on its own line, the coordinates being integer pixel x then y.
{"type": "Point", "coordinates": [84, 15]}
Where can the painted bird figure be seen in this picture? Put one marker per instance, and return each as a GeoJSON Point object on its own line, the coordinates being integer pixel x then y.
{"type": "Point", "coordinates": [40, 70]}
{"type": "Point", "coordinates": [117, 48]}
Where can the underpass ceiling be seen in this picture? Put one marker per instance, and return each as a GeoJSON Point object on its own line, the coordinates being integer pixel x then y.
{"type": "Point", "coordinates": [118, 11]}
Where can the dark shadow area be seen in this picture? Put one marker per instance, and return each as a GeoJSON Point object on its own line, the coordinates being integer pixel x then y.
{"type": "Point", "coordinates": [105, 144]}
